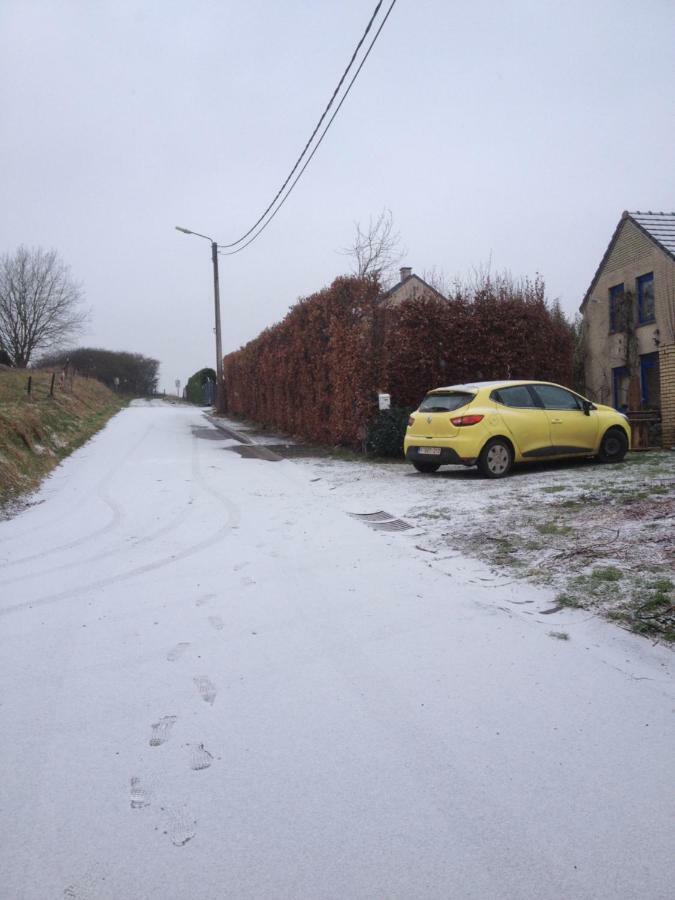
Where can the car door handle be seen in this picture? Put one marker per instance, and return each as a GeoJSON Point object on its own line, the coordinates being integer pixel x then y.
{"type": "Point", "coordinates": [556, 421]}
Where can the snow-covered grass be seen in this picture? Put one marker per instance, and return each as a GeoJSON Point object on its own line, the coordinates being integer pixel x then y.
{"type": "Point", "coordinates": [38, 430]}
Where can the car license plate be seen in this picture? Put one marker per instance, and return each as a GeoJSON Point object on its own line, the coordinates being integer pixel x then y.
{"type": "Point", "coordinates": [429, 451]}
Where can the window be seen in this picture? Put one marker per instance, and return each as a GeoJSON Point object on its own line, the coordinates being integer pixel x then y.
{"type": "Point", "coordinates": [650, 381]}
{"type": "Point", "coordinates": [645, 294]}
{"type": "Point", "coordinates": [518, 397]}
{"type": "Point", "coordinates": [556, 397]}
{"type": "Point", "coordinates": [616, 310]}
{"type": "Point", "coordinates": [445, 402]}
{"type": "Point", "coordinates": [620, 383]}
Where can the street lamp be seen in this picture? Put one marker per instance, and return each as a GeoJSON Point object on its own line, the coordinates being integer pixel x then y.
{"type": "Point", "coordinates": [220, 398]}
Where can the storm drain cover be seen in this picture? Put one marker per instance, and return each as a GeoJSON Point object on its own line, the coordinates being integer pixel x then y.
{"type": "Point", "coordinates": [381, 521]}
{"type": "Point", "coordinates": [393, 525]}
{"type": "Point", "coordinates": [379, 516]}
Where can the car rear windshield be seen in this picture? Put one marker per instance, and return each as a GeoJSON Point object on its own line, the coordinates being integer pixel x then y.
{"type": "Point", "coordinates": [446, 402]}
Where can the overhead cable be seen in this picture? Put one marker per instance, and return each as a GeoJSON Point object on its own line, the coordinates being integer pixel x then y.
{"type": "Point", "coordinates": [313, 134]}
{"type": "Point", "coordinates": [316, 147]}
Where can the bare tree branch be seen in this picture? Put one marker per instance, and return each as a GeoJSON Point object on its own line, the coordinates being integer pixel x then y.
{"type": "Point", "coordinates": [376, 250]}
{"type": "Point", "coordinates": [40, 304]}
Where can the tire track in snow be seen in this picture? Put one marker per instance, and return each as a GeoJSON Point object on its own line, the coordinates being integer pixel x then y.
{"type": "Point", "coordinates": [101, 492]}
{"type": "Point", "coordinates": [170, 526]}
{"type": "Point", "coordinates": [233, 519]}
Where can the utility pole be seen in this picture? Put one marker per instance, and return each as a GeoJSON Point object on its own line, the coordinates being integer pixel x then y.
{"type": "Point", "coordinates": [220, 386]}
{"type": "Point", "coordinates": [220, 399]}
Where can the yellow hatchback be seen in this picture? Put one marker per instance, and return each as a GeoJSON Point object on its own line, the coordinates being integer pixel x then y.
{"type": "Point", "coordinates": [494, 424]}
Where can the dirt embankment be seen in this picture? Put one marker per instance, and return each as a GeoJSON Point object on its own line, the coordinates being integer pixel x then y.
{"type": "Point", "coordinates": [39, 429]}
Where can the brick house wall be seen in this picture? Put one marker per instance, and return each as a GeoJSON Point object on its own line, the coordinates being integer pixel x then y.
{"type": "Point", "coordinates": [631, 254]}
{"type": "Point", "coordinates": [667, 362]}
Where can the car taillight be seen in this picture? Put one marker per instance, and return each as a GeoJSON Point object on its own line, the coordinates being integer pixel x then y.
{"type": "Point", "coordinates": [411, 420]}
{"type": "Point", "coordinates": [459, 421]}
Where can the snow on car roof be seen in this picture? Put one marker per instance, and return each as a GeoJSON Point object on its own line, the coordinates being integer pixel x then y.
{"type": "Point", "coordinates": [474, 385]}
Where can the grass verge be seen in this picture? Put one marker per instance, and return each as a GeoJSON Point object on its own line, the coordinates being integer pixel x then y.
{"type": "Point", "coordinates": [38, 430]}
{"type": "Point", "coordinates": [602, 537]}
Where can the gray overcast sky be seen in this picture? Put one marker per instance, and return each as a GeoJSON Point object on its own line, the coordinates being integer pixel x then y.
{"type": "Point", "coordinates": [511, 131]}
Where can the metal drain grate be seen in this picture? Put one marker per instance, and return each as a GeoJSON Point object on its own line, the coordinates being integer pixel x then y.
{"type": "Point", "coordinates": [392, 525]}
{"type": "Point", "coordinates": [381, 521]}
{"type": "Point", "coordinates": [379, 516]}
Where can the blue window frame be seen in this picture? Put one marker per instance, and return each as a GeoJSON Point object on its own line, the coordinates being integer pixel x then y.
{"type": "Point", "coordinates": [620, 384]}
{"type": "Point", "coordinates": [616, 322]}
{"type": "Point", "coordinates": [650, 381]}
{"type": "Point", "coordinates": [645, 295]}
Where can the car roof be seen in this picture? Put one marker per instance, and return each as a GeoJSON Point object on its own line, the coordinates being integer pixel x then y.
{"type": "Point", "coordinates": [476, 385]}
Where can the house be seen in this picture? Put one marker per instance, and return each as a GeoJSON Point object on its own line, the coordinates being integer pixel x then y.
{"type": "Point", "coordinates": [628, 321]}
{"type": "Point", "coordinates": [408, 287]}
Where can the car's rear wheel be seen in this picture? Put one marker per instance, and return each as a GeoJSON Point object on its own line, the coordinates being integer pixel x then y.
{"type": "Point", "coordinates": [613, 446]}
{"type": "Point", "coordinates": [427, 468]}
{"type": "Point", "coordinates": [496, 458]}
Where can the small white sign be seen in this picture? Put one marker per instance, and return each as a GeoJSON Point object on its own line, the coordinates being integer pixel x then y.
{"type": "Point", "coordinates": [384, 401]}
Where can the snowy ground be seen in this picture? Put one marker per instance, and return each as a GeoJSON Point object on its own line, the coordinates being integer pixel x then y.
{"type": "Point", "coordinates": [601, 538]}
{"type": "Point", "coordinates": [216, 683]}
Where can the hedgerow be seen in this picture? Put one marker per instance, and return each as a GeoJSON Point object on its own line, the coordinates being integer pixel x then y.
{"type": "Point", "coordinates": [317, 373]}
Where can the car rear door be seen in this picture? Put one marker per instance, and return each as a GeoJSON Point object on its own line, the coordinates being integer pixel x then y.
{"type": "Point", "coordinates": [572, 429]}
{"type": "Point", "coordinates": [523, 419]}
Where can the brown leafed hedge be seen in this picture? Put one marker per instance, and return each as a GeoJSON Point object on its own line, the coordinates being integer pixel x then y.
{"type": "Point", "coordinates": [317, 373]}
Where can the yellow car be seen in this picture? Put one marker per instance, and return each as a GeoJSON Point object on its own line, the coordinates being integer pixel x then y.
{"type": "Point", "coordinates": [494, 424]}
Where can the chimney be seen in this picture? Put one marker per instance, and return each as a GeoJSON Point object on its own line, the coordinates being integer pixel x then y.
{"type": "Point", "coordinates": [406, 272]}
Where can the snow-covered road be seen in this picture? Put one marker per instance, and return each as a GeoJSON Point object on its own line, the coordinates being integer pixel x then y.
{"type": "Point", "coordinates": [216, 684]}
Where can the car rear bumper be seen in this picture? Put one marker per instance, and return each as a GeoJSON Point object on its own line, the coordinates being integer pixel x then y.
{"type": "Point", "coordinates": [447, 457]}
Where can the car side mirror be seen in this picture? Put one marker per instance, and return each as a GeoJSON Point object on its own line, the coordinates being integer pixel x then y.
{"type": "Point", "coordinates": [588, 406]}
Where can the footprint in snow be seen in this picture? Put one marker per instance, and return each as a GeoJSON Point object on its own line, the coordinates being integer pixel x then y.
{"type": "Point", "coordinates": [206, 688]}
{"type": "Point", "coordinates": [204, 599]}
{"type": "Point", "coordinates": [200, 758]}
{"type": "Point", "coordinates": [86, 887]}
{"type": "Point", "coordinates": [216, 622]}
{"type": "Point", "coordinates": [140, 796]}
{"type": "Point", "coordinates": [78, 891]}
{"type": "Point", "coordinates": [180, 826]}
{"type": "Point", "coordinates": [177, 651]}
{"type": "Point", "coordinates": [161, 731]}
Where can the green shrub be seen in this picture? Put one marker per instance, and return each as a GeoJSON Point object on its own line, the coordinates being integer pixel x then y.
{"type": "Point", "coordinates": [386, 433]}
{"type": "Point", "coordinates": [197, 389]}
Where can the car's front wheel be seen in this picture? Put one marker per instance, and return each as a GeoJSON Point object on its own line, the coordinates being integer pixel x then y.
{"type": "Point", "coordinates": [613, 446]}
{"type": "Point", "coordinates": [427, 468]}
{"type": "Point", "coordinates": [496, 458]}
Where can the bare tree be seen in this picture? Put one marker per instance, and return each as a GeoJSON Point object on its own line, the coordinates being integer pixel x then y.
{"type": "Point", "coordinates": [40, 304]}
{"type": "Point", "coordinates": [376, 250]}
{"type": "Point", "coordinates": [438, 280]}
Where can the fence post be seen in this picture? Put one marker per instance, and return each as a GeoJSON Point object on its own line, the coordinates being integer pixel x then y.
{"type": "Point", "coordinates": [51, 387]}
{"type": "Point", "coordinates": [30, 384]}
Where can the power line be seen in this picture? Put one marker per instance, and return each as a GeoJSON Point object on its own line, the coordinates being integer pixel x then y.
{"type": "Point", "coordinates": [323, 134]}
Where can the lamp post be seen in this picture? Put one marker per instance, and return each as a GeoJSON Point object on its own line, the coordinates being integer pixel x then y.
{"type": "Point", "coordinates": [220, 404]}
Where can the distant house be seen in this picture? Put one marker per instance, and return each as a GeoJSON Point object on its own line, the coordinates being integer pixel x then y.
{"type": "Point", "coordinates": [629, 320]}
{"type": "Point", "coordinates": [408, 287]}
